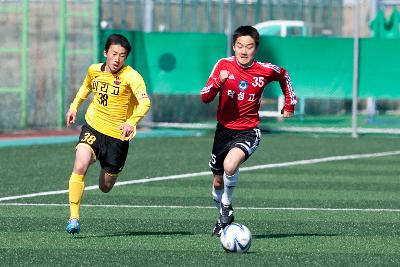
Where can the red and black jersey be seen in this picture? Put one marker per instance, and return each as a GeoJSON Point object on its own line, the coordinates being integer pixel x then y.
{"type": "Point", "coordinates": [240, 95]}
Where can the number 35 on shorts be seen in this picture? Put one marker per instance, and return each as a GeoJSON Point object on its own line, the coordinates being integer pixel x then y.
{"type": "Point", "coordinates": [88, 138]}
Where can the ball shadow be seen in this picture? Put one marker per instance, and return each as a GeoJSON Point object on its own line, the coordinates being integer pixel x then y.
{"type": "Point", "coordinates": [133, 233]}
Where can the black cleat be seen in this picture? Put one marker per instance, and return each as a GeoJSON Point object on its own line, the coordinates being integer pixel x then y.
{"type": "Point", "coordinates": [225, 218]}
{"type": "Point", "coordinates": [217, 229]}
{"type": "Point", "coordinates": [226, 215]}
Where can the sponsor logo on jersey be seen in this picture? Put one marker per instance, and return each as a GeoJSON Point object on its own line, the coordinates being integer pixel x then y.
{"type": "Point", "coordinates": [243, 85]}
{"type": "Point", "coordinates": [116, 81]}
{"type": "Point", "coordinates": [142, 95]}
{"type": "Point", "coordinates": [231, 77]}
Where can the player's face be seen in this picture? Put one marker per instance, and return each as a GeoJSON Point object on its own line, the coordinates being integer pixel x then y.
{"type": "Point", "coordinates": [115, 57]}
{"type": "Point", "coordinates": [245, 49]}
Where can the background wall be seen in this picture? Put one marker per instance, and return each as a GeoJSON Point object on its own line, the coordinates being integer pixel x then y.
{"type": "Point", "coordinates": [48, 46]}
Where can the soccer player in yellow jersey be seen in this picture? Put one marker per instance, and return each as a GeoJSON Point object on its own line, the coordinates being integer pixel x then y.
{"type": "Point", "coordinates": [120, 101]}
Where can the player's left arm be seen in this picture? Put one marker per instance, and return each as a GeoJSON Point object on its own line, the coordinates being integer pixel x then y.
{"type": "Point", "coordinates": [139, 90]}
{"type": "Point", "coordinates": [281, 75]}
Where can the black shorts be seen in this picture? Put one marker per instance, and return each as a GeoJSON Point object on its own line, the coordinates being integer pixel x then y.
{"type": "Point", "coordinates": [225, 139]}
{"type": "Point", "coordinates": [110, 152]}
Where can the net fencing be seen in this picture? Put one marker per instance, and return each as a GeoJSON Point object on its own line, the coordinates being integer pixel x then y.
{"type": "Point", "coordinates": [50, 44]}
{"type": "Point", "coordinates": [47, 48]}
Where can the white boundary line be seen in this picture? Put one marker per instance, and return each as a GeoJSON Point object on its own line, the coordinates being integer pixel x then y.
{"type": "Point", "coordinates": [336, 130]}
{"type": "Point", "coordinates": [279, 129]}
{"type": "Point", "coordinates": [202, 207]}
{"type": "Point", "coordinates": [189, 175]}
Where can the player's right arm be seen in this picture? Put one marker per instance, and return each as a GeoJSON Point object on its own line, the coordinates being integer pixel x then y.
{"type": "Point", "coordinates": [70, 117]}
{"type": "Point", "coordinates": [217, 78]}
{"type": "Point", "coordinates": [81, 96]}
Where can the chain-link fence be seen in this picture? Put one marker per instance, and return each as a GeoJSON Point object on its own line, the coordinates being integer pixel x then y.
{"type": "Point", "coordinates": [46, 49]}
{"type": "Point", "coordinates": [48, 44]}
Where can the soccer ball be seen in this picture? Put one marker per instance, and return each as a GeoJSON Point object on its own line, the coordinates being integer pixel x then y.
{"type": "Point", "coordinates": [236, 238]}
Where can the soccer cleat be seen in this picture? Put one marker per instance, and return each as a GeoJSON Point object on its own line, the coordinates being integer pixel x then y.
{"type": "Point", "coordinates": [73, 226]}
{"type": "Point", "coordinates": [217, 231]}
{"type": "Point", "coordinates": [226, 215]}
{"type": "Point", "coordinates": [225, 218]}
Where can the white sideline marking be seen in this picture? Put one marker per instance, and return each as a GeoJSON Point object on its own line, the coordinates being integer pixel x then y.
{"type": "Point", "coordinates": [336, 130]}
{"type": "Point", "coordinates": [243, 169]}
{"type": "Point", "coordinates": [179, 125]}
{"type": "Point", "coordinates": [200, 207]}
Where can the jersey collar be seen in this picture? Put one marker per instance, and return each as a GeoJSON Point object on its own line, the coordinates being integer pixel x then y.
{"type": "Point", "coordinates": [245, 67]}
{"type": "Point", "coordinates": [103, 68]}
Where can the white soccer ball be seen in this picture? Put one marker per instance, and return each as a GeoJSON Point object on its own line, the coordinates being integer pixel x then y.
{"type": "Point", "coordinates": [236, 237]}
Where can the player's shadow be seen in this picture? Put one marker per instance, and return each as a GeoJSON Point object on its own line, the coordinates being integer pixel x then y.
{"type": "Point", "coordinates": [261, 236]}
{"type": "Point", "coordinates": [132, 233]}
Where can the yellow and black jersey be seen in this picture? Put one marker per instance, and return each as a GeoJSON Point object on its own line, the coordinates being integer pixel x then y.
{"type": "Point", "coordinates": [118, 98]}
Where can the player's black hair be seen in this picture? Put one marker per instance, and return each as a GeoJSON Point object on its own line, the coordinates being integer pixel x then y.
{"type": "Point", "coordinates": [246, 31]}
{"type": "Point", "coordinates": [118, 39]}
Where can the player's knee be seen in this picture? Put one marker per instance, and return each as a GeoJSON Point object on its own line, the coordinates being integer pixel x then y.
{"type": "Point", "coordinates": [218, 182]}
{"type": "Point", "coordinates": [107, 181]}
{"type": "Point", "coordinates": [230, 168]}
{"type": "Point", "coordinates": [80, 168]}
{"type": "Point", "coordinates": [104, 188]}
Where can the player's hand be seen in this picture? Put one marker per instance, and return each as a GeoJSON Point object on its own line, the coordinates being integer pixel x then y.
{"type": "Point", "coordinates": [223, 75]}
{"type": "Point", "coordinates": [127, 131]}
{"type": "Point", "coordinates": [70, 117]}
{"type": "Point", "coordinates": [287, 114]}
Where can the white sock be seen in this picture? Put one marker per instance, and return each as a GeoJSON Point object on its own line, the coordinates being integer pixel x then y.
{"type": "Point", "coordinates": [229, 186]}
{"type": "Point", "coordinates": [217, 194]}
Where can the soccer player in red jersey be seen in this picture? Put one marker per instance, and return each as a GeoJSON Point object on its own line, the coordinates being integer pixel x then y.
{"type": "Point", "coordinates": [239, 80]}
